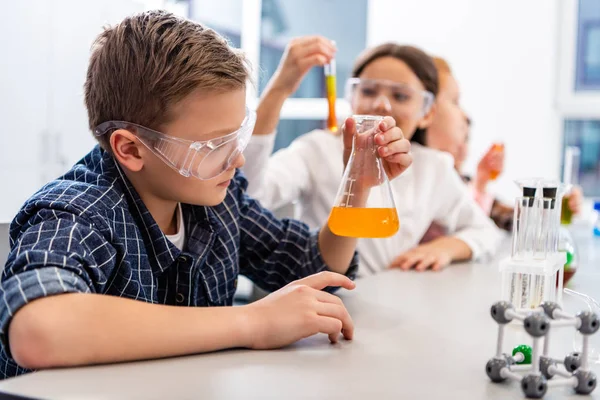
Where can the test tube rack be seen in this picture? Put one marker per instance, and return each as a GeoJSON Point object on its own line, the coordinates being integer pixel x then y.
{"type": "Point", "coordinates": [527, 283]}
{"type": "Point", "coordinates": [544, 371]}
{"type": "Point", "coordinates": [533, 273]}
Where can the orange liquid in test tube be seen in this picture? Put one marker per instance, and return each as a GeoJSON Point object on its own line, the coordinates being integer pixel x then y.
{"type": "Point", "coordinates": [499, 147]}
{"type": "Point", "coordinates": [364, 222]}
{"type": "Point", "coordinates": [331, 119]}
{"type": "Point", "coordinates": [330, 83]}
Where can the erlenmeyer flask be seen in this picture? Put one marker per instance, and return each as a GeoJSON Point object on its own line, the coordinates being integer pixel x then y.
{"type": "Point", "coordinates": [364, 205]}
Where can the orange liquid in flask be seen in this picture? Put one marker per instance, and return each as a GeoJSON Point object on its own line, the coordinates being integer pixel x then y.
{"type": "Point", "coordinates": [364, 222]}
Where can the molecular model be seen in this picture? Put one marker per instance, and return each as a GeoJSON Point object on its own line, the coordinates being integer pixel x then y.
{"type": "Point", "coordinates": [544, 372]}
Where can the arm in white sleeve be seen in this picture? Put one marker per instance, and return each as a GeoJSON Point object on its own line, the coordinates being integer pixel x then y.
{"type": "Point", "coordinates": [279, 179]}
{"type": "Point", "coordinates": [257, 155]}
{"type": "Point", "coordinates": [463, 217]}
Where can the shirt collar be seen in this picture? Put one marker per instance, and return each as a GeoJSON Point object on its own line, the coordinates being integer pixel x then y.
{"type": "Point", "coordinates": [200, 223]}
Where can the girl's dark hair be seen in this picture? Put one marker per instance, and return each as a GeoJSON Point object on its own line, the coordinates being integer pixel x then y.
{"type": "Point", "coordinates": [417, 60]}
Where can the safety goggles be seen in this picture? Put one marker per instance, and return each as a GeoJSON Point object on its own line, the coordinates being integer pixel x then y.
{"type": "Point", "coordinates": [369, 94]}
{"type": "Point", "coordinates": [204, 160]}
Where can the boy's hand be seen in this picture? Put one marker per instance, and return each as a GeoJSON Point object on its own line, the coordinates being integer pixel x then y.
{"type": "Point", "coordinates": [299, 310]}
{"type": "Point", "coordinates": [423, 257]}
{"type": "Point", "coordinates": [393, 148]}
{"type": "Point", "coordinates": [301, 54]}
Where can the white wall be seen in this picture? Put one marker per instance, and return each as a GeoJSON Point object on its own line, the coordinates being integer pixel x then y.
{"type": "Point", "coordinates": [220, 14]}
{"type": "Point", "coordinates": [45, 48]}
{"type": "Point", "coordinates": [504, 55]}
{"type": "Point", "coordinates": [23, 96]}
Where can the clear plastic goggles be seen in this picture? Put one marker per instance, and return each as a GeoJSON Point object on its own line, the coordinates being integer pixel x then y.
{"type": "Point", "coordinates": [201, 159]}
{"type": "Point", "coordinates": [369, 94]}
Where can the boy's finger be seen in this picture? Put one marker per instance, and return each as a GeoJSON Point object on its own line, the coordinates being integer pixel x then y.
{"type": "Point", "coordinates": [324, 279]}
{"type": "Point", "coordinates": [340, 313]}
{"type": "Point", "coordinates": [325, 297]}
{"type": "Point", "coordinates": [330, 326]}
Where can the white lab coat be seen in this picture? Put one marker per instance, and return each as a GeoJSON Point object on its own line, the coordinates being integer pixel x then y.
{"type": "Point", "coordinates": [310, 170]}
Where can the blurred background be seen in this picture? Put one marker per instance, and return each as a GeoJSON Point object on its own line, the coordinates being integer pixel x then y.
{"type": "Point", "coordinates": [529, 72]}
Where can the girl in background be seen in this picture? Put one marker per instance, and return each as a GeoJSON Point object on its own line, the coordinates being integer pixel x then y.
{"type": "Point", "coordinates": [387, 80]}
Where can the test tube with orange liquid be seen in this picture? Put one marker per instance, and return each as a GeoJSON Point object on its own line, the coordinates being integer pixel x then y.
{"type": "Point", "coordinates": [330, 83]}
{"type": "Point", "coordinates": [364, 206]}
{"type": "Point", "coordinates": [498, 147]}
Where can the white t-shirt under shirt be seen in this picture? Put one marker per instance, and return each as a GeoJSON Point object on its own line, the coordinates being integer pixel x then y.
{"type": "Point", "coordinates": [310, 170]}
{"type": "Point", "coordinates": [178, 239]}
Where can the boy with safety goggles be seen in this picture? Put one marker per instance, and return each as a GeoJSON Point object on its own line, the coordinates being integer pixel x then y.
{"type": "Point", "coordinates": [135, 252]}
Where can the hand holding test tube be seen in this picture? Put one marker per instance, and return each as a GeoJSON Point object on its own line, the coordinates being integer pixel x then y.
{"type": "Point", "coordinates": [300, 56]}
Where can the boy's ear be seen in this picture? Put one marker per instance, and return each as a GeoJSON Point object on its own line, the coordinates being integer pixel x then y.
{"type": "Point", "coordinates": [426, 121]}
{"type": "Point", "coordinates": [126, 149]}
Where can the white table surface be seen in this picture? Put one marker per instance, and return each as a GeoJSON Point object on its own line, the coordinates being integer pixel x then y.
{"type": "Point", "coordinates": [418, 336]}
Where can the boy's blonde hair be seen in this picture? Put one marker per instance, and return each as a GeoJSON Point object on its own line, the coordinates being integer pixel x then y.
{"type": "Point", "coordinates": [150, 61]}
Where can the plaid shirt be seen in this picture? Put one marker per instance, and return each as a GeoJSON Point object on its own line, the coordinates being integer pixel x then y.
{"type": "Point", "coordinates": [89, 232]}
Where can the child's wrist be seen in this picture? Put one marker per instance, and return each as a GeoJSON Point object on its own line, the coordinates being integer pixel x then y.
{"type": "Point", "coordinates": [246, 326]}
{"type": "Point", "coordinates": [480, 185]}
{"type": "Point", "coordinates": [277, 89]}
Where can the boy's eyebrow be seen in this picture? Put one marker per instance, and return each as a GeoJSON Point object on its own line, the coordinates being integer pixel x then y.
{"type": "Point", "coordinates": [217, 133]}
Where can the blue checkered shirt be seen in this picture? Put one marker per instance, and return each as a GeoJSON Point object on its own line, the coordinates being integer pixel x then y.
{"type": "Point", "coordinates": [89, 232]}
